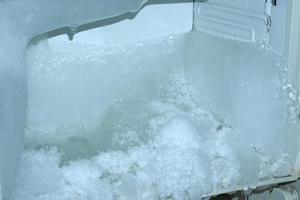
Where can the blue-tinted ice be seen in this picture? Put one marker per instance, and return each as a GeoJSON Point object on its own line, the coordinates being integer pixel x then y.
{"type": "Point", "coordinates": [178, 117]}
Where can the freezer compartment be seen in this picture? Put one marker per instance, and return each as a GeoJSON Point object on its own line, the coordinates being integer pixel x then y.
{"type": "Point", "coordinates": [169, 114]}
{"type": "Point", "coordinates": [163, 106]}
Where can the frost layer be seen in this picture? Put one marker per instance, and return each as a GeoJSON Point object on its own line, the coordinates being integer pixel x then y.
{"type": "Point", "coordinates": [151, 121]}
{"type": "Point", "coordinates": [19, 22]}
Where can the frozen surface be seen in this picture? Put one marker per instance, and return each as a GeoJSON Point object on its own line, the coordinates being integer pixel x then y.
{"type": "Point", "coordinates": [180, 116]}
{"type": "Point", "coordinates": [154, 120]}
{"type": "Point", "coordinates": [248, 88]}
{"type": "Point", "coordinates": [19, 22]}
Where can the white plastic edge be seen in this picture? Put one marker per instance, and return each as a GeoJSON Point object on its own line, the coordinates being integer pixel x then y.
{"type": "Point", "coordinates": [293, 40]}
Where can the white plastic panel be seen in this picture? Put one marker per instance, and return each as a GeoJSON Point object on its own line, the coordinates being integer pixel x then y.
{"type": "Point", "coordinates": [244, 21]}
{"type": "Point", "coordinates": [240, 20]}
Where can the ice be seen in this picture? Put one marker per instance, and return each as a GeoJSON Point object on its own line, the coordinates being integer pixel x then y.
{"type": "Point", "coordinates": [20, 21]}
{"type": "Point", "coordinates": [257, 104]}
{"type": "Point", "coordinates": [160, 138]}
{"type": "Point", "coordinates": [177, 117]}
{"type": "Point", "coordinates": [155, 144]}
{"type": "Point", "coordinates": [177, 165]}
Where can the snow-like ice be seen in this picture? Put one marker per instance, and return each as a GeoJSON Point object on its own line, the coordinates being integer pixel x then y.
{"type": "Point", "coordinates": [176, 117]}
{"type": "Point", "coordinates": [135, 123]}
{"type": "Point", "coordinates": [20, 21]}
